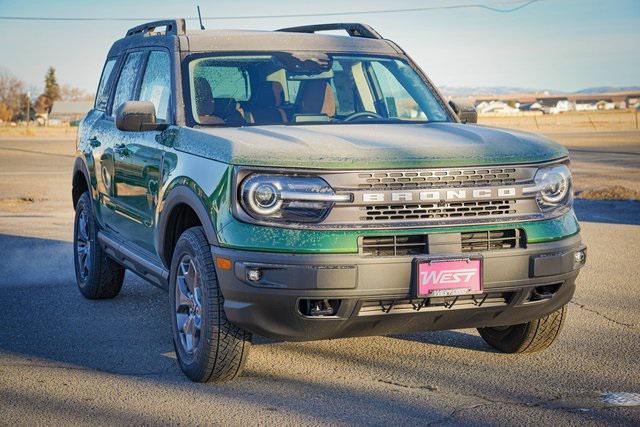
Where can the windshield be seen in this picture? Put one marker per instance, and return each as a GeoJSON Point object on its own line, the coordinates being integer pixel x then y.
{"type": "Point", "coordinates": [311, 88]}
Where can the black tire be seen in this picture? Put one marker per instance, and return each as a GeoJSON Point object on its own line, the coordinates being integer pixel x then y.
{"type": "Point", "coordinates": [530, 337]}
{"type": "Point", "coordinates": [97, 275]}
{"type": "Point", "coordinates": [217, 350]}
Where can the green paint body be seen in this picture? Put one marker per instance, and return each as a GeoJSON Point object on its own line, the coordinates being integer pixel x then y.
{"type": "Point", "coordinates": [204, 161]}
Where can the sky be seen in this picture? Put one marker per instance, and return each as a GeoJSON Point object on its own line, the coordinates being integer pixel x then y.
{"type": "Point", "coordinates": [562, 45]}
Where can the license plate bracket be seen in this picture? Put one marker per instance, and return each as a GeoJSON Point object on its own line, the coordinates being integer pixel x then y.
{"type": "Point", "coordinates": [447, 276]}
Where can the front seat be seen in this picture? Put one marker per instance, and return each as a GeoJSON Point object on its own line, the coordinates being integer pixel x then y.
{"type": "Point", "coordinates": [265, 106]}
{"type": "Point", "coordinates": [214, 111]}
{"type": "Point", "coordinates": [204, 102]}
{"type": "Point", "coordinates": [316, 97]}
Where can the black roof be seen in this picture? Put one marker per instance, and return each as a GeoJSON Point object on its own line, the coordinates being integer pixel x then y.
{"type": "Point", "coordinates": [361, 38]}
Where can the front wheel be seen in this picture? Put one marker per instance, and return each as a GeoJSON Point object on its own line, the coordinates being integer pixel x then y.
{"type": "Point", "coordinates": [530, 337]}
{"type": "Point", "coordinates": [209, 348]}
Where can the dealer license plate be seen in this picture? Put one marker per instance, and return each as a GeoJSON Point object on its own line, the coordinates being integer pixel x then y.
{"type": "Point", "coordinates": [448, 277]}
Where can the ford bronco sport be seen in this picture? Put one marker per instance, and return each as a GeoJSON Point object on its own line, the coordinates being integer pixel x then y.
{"type": "Point", "coordinates": [306, 186]}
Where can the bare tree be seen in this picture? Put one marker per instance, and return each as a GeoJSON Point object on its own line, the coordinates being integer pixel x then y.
{"type": "Point", "coordinates": [12, 94]}
{"type": "Point", "coordinates": [70, 93]}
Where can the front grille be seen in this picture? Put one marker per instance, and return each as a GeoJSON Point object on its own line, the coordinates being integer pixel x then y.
{"type": "Point", "coordinates": [438, 210]}
{"type": "Point", "coordinates": [492, 240]}
{"type": "Point", "coordinates": [439, 178]}
{"type": "Point", "coordinates": [418, 244]}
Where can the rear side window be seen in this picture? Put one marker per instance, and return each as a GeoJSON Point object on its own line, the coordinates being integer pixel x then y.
{"type": "Point", "coordinates": [156, 84]}
{"type": "Point", "coordinates": [127, 80]}
{"type": "Point", "coordinates": [102, 96]}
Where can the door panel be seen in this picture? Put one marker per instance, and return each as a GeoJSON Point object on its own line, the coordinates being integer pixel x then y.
{"type": "Point", "coordinates": [138, 156]}
{"type": "Point", "coordinates": [137, 170]}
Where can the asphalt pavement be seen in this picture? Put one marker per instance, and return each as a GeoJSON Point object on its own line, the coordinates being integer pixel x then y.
{"type": "Point", "coordinates": [64, 359]}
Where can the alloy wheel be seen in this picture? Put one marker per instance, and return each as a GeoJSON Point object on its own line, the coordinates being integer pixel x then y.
{"type": "Point", "coordinates": [188, 304]}
{"type": "Point", "coordinates": [83, 245]}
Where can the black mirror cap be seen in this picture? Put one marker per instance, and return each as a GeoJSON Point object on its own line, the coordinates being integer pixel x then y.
{"type": "Point", "coordinates": [466, 112]}
{"type": "Point", "coordinates": [137, 116]}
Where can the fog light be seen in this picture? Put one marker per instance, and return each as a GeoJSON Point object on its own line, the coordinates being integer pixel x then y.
{"type": "Point", "coordinates": [254, 274]}
{"type": "Point", "coordinates": [580, 257]}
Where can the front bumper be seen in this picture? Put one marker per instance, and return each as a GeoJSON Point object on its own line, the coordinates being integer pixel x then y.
{"type": "Point", "coordinates": [376, 295]}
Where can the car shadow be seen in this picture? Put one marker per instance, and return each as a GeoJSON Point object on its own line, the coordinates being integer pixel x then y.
{"type": "Point", "coordinates": [608, 211]}
{"type": "Point", "coordinates": [457, 339]}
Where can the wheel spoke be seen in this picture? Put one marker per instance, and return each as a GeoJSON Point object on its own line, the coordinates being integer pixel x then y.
{"type": "Point", "coordinates": [83, 227]}
{"type": "Point", "coordinates": [188, 333]}
{"type": "Point", "coordinates": [190, 276]}
{"type": "Point", "coordinates": [188, 301]}
{"type": "Point", "coordinates": [197, 297]}
{"type": "Point", "coordinates": [181, 319]}
{"type": "Point", "coordinates": [183, 298]}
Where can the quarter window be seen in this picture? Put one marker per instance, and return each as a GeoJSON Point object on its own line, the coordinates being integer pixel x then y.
{"type": "Point", "coordinates": [127, 81]}
{"type": "Point", "coordinates": [102, 96]}
{"type": "Point", "coordinates": [156, 84]}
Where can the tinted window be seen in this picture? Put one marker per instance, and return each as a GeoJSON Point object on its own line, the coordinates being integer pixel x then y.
{"type": "Point", "coordinates": [127, 81]}
{"type": "Point", "coordinates": [156, 84]}
{"type": "Point", "coordinates": [102, 96]}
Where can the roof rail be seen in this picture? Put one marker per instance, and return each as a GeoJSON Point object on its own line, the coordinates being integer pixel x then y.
{"type": "Point", "coordinates": [173, 26]}
{"type": "Point", "coordinates": [354, 29]}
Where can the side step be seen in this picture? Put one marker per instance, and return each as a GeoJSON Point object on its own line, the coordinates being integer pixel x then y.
{"type": "Point", "coordinates": [154, 273]}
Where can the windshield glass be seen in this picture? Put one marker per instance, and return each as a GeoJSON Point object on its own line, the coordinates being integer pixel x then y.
{"type": "Point", "coordinates": [294, 88]}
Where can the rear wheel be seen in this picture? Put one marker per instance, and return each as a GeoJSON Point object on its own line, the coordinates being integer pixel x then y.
{"type": "Point", "coordinates": [97, 275]}
{"type": "Point", "coordinates": [528, 337]}
{"type": "Point", "coordinates": [209, 348]}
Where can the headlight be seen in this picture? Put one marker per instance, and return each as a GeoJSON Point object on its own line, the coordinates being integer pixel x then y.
{"type": "Point", "coordinates": [288, 198]}
{"type": "Point", "coordinates": [554, 187]}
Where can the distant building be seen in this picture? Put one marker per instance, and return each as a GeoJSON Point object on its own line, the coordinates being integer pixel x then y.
{"type": "Point", "coordinates": [68, 111]}
{"type": "Point", "coordinates": [531, 106]}
{"type": "Point", "coordinates": [499, 107]}
{"type": "Point", "coordinates": [554, 104]}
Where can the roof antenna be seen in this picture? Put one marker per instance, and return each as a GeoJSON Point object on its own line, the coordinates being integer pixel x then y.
{"type": "Point", "coordinates": [200, 18]}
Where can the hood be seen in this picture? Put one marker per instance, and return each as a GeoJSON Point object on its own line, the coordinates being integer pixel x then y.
{"type": "Point", "coordinates": [368, 146]}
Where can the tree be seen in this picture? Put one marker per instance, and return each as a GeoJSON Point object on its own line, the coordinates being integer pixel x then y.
{"type": "Point", "coordinates": [12, 92]}
{"type": "Point", "coordinates": [51, 89]}
{"type": "Point", "coordinates": [5, 113]}
{"type": "Point", "coordinates": [70, 93]}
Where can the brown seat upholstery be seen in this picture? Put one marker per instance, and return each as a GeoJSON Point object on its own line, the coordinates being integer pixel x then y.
{"type": "Point", "coordinates": [316, 97]}
{"type": "Point", "coordinates": [265, 104]}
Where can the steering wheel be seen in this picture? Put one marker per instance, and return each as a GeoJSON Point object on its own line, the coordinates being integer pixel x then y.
{"type": "Point", "coordinates": [362, 115]}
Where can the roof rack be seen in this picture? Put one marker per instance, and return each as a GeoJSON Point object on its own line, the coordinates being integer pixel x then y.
{"type": "Point", "coordinates": [354, 29]}
{"type": "Point", "coordinates": [173, 26]}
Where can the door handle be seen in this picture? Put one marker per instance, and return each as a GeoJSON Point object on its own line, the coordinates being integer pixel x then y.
{"type": "Point", "coordinates": [121, 149]}
{"type": "Point", "coordinates": [93, 141]}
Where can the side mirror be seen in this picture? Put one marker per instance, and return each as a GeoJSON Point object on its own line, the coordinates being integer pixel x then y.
{"type": "Point", "coordinates": [466, 112]}
{"type": "Point", "coordinates": [137, 116]}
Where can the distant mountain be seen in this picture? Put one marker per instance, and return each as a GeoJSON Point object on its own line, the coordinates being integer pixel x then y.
{"type": "Point", "coordinates": [462, 91]}
{"type": "Point", "coordinates": [606, 89]}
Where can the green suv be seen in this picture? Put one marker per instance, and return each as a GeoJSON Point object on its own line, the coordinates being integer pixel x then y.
{"type": "Point", "coordinates": [303, 186]}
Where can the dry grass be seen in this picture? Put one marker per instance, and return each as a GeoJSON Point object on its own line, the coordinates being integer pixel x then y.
{"type": "Point", "coordinates": [38, 132]}
{"type": "Point", "coordinates": [616, 192]}
{"type": "Point", "coordinates": [613, 120]}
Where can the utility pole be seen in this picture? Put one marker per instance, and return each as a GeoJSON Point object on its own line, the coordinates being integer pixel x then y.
{"type": "Point", "coordinates": [28, 107]}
